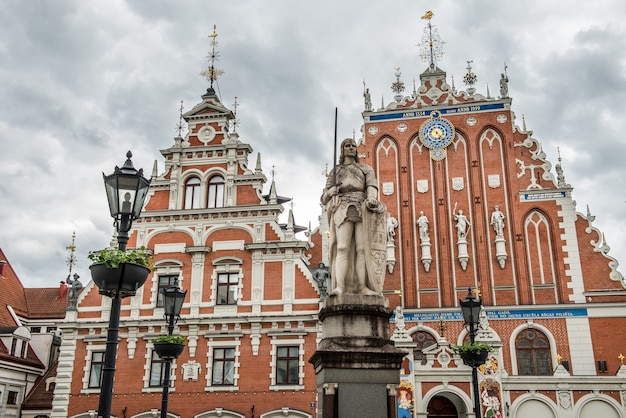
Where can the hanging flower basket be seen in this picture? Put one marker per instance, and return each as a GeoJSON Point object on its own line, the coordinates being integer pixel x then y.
{"type": "Point", "coordinates": [473, 354]}
{"type": "Point", "coordinates": [122, 281]}
{"type": "Point", "coordinates": [169, 347]}
{"type": "Point", "coordinates": [473, 359]}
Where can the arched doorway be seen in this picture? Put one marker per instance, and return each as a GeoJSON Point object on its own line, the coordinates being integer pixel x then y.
{"type": "Point", "coordinates": [441, 407]}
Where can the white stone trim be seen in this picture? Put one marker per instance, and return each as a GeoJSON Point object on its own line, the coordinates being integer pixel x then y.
{"type": "Point", "coordinates": [280, 342]}
{"type": "Point", "coordinates": [211, 344]}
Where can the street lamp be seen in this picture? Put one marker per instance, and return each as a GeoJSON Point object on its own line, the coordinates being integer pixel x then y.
{"type": "Point", "coordinates": [126, 191]}
{"type": "Point", "coordinates": [173, 299]}
{"type": "Point", "coordinates": [470, 306]}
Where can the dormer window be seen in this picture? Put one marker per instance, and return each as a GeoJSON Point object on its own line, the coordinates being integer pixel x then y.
{"type": "Point", "coordinates": [216, 192]}
{"type": "Point", "coordinates": [192, 193]}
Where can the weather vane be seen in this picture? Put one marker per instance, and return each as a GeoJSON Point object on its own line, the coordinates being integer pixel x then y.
{"type": "Point", "coordinates": [431, 48]}
{"type": "Point", "coordinates": [212, 73]}
{"type": "Point", "coordinates": [71, 259]}
{"type": "Point", "coordinates": [73, 280]}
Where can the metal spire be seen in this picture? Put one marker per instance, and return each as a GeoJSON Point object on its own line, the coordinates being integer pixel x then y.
{"type": "Point", "coordinates": [431, 48]}
{"type": "Point", "coordinates": [397, 86]}
{"type": "Point", "coordinates": [180, 126]}
{"type": "Point", "coordinates": [235, 121]}
{"type": "Point", "coordinates": [470, 79]}
{"type": "Point", "coordinates": [212, 73]}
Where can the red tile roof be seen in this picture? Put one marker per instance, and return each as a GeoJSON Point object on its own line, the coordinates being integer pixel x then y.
{"type": "Point", "coordinates": [32, 303]}
{"type": "Point", "coordinates": [39, 397]}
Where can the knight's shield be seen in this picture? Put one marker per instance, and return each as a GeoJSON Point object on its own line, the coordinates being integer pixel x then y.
{"type": "Point", "coordinates": [375, 231]}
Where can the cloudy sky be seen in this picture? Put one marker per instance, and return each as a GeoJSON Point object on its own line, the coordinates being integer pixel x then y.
{"type": "Point", "coordinates": [83, 82]}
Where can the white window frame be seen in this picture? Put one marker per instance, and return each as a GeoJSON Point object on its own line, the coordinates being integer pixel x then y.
{"type": "Point", "coordinates": [212, 345]}
{"type": "Point", "coordinates": [147, 369]}
{"type": "Point", "coordinates": [168, 267]}
{"type": "Point", "coordinates": [226, 265]}
{"type": "Point", "coordinates": [279, 342]}
{"type": "Point", "coordinates": [91, 348]}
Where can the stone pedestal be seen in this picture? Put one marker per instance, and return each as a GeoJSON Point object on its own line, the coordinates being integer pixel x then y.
{"type": "Point", "coordinates": [357, 367]}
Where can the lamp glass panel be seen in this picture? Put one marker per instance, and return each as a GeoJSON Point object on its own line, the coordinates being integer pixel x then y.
{"type": "Point", "coordinates": [110, 185]}
{"type": "Point", "coordinates": [140, 196]}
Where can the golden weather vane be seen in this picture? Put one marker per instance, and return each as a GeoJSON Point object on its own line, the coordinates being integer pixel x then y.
{"type": "Point", "coordinates": [71, 259]}
{"type": "Point", "coordinates": [431, 47]}
{"type": "Point", "coordinates": [212, 73]}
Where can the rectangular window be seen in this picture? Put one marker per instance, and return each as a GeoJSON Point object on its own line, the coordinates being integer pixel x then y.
{"type": "Point", "coordinates": [165, 282]}
{"type": "Point", "coordinates": [227, 286]}
{"type": "Point", "coordinates": [12, 397]}
{"type": "Point", "coordinates": [287, 365]}
{"type": "Point", "coordinates": [35, 330]}
{"type": "Point", "coordinates": [157, 369]}
{"type": "Point", "coordinates": [23, 350]}
{"type": "Point", "coordinates": [13, 346]}
{"type": "Point", "coordinates": [95, 372]}
{"type": "Point", "coordinates": [51, 329]}
{"type": "Point", "coordinates": [223, 367]}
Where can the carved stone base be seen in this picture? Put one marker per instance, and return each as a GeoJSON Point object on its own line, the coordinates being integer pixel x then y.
{"type": "Point", "coordinates": [356, 364]}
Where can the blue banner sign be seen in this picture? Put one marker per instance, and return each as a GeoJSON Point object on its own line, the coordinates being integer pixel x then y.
{"type": "Point", "coordinates": [526, 197]}
{"type": "Point", "coordinates": [444, 111]}
{"type": "Point", "coordinates": [499, 314]}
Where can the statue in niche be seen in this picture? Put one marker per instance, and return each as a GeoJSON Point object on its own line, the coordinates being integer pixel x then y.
{"type": "Point", "coordinates": [358, 225]}
{"type": "Point", "coordinates": [497, 220]}
{"type": "Point", "coordinates": [461, 223]}
{"type": "Point", "coordinates": [422, 225]}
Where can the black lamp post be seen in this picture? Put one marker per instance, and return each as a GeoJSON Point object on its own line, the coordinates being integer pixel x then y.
{"type": "Point", "coordinates": [470, 306]}
{"type": "Point", "coordinates": [173, 299]}
{"type": "Point", "coordinates": [126, 191]}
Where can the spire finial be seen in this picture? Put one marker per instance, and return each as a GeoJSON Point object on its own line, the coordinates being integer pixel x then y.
{"type": "Point", "coordinates": [273, 172]}
{"type": "Point", "coordinates": [431, 48]}
{"type": "Point", "coordinates": [470, 79]}
{"type": "Point", "coordinates": [397, 86]}
{"type": "Point", "coordinates": [235, 121]}
{"type": "Point", "coordinates": [180, 126]}
{"type": "Point", "coordinates": [524, 122]}
{"type": "Point", "coordinates": [558, 152]}
{"type": "Point", "coordinates": [212, 73]}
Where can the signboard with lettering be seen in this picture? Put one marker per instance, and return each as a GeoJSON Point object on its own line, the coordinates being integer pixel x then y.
{"type": "Point", "coordinates": [443, 111]}
{"type": "Point", "coordinates": [499, 314]}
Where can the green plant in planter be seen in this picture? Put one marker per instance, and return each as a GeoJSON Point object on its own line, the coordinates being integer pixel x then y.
{"type": "Point", "coordinates": [112, 257]}
{"type": "Point", "coordinates": [474, 348]}
{"type": "Point", "coordinates": [170, 339]}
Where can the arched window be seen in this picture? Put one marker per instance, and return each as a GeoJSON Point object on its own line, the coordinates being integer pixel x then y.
{"type": "Point", "coordinates": [192, 193]}
{"type": "Point", "coordinates": [423, 339]}
{"type": "Point", "coordinates": [216, 192]}
{"type": "Point", "coordinates": [533, 353]}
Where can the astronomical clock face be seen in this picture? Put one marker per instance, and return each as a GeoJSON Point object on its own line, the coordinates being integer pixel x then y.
{"type": "Point", "coordinates": [436, 134]}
